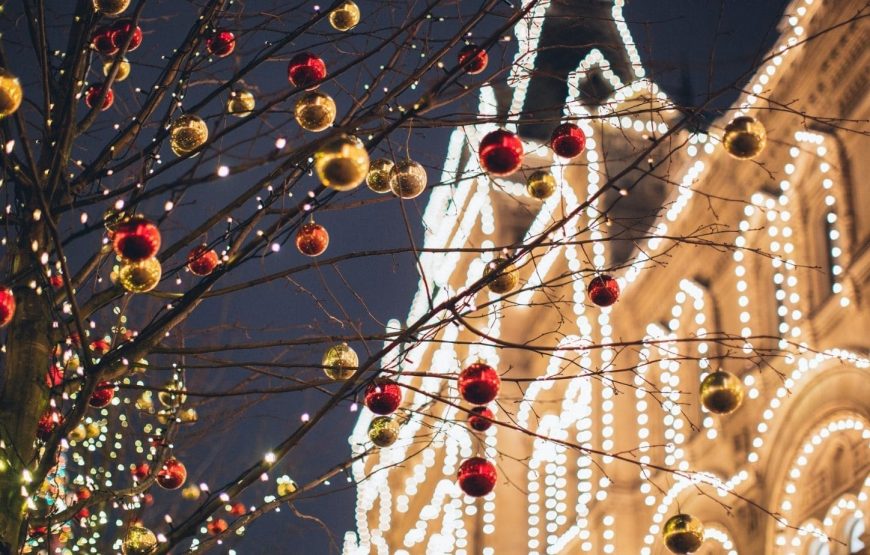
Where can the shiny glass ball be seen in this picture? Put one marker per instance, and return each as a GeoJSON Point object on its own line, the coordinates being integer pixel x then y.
{"type": "Point", "coordinates": [541, 185]}
{"type": "Point", "coordinates": [479, 383]}
{"type": "Point", "coordinates": [122, 29]}
{"type": "Point", "coordinates": [7, 306]}
{"type": "Point", "coordinates": [140, 277]}
{"type": "Point", "coordinates": [568, 140]}
{"type": "Point", "coordinates": [103, 41]}
{"type": "Point", "coordinates": [501, 153]}
{"type": "Point", "coordinates": [201, 261]}
{"type": "Point", "coordinates": [124, 69]}
{"type": "Point", "coordinates": [477, 476]}
{"type": "Point", "coordinates": [315, 111]}
{"type": "Point", "coordinates": [93, 94]}
{"type": "Point", "coordinates": [312, 239]}
{"type": "Point", "coordinates": [408, 179]}
{"type": "Point", "coordinates": [217, 526]}
{"type": "Point", "coordinates": [136, 238]}
{"type": "Point", "coordinates": [384, 431]}
{"type": "Point", "coordinates": [221, 44]}
{"type": "Point", "coordinates": [480, 419]}
{"type": "Point", "coordinates": [111, 7]}
{"type": "Point", "coordinates": [383, 396]}
{"type": "Point", "coordinates": [721, 392]}
{"type": "Point", "coordinates": [48, 421]}
{"type": "Point", "coordinates": [172, 474]}
{"type": "Point", "coordinates": [187, 133]}
{"type": "Point", "coordinates": [102, 395]}
{"type": "Point", "coordinates": [506, 281]}
{"type": "Point", "coordinates": [11, 93]}
{"type": "Point", "coordinates": [378, 178]}
{"type": "Point", "coordinates": [241, 103]}
{"type": "Point", "coordinates": [345, 17]}
{"type": "Point", "coordinates": [744, 138]}
{"type": "Point", "coordinates": [340, 362]}
{"type": "Point", "coordinates": [305, 70]}
{"type": "Point", "coordinates": [603, 290]}
{"type": "Point", "coordinates": [683, 533]}
{"type": "Point", "coordinates": [139, 541]}
{"type": "Point", "coordinates": [342, 163]}
{"type": "Point", "coordinates": [473, 59]}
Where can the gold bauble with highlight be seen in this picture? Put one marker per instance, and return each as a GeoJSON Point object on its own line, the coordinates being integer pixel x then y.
{"type": "Point", "coordinates": [345, 17]}
{"type": "Point", "coordinates": [11, 93]}
{"type": "Point", "coordinates": [541, 185]}
{"type": "Point", "coordinates": [744, 138]}
{"type": "Point", "coordinates": [683, 534]}
{"type": "Point", "coordinates": [139, 541]}
{"type": "Point", "coordinates": [342, 163]}
{"type": "Point", "coordinates": [170, 396]}
{"type": "Point", "coordinates": [721, 392]}
{"type": "Point", "coordinates": [315, 111]}
{"type": "Point", "coordinates": [140, 277]}
{"type": "Point", "coordinates": [187, 133]}
{"type": "Point", "coordinates": [111, 7]}
{"type": "Point", "coordinates": [384, 431]}
{"type": "Point", "coordinates": [123, 69]}
{"type": "Point", "coordinates": [286, 486]}
{"type": "Point", "coordinates": [506, 281]}
{"type": "Point", "coordinates": [340, 362]}
{"type": "Point", "coordinates": [408, 179]}
{"type": "Point", "coordinates": [241, 103]}
{"type": "Point", "coordinates": [378, 178]}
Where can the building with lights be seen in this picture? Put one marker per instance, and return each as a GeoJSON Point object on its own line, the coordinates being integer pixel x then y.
{"type": "Point", "coordinates": [784, 309]}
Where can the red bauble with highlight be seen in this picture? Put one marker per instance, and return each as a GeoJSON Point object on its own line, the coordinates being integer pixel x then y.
{"type": "Point", "coordinates": [305, 70]}
{"type": "Point", "coordinates": [568, 140]}
{"type": "Point", "coordinates": [383, 396]}
{"type": "Point", "coordinates": [477, 476]}
{"type": "Point", "coordinates": [172, 474]}
{"type": "Point", "coordinates": [93, 94]}
{"type": "Point", "coordinates": [140, 471]}
{"type": "Point", "coordinates": [473, 58]}
{"type": "Point", "coordinates": [50, 419]}
{"type": "Point", "coordinates": [312, 239]}
{"type": "Point", "coordinates": [501, 153]}
{"type": "Point", "coordinates": [102, 395]}
{"type": "Point", "coordinates": [103, 41]}
{"type": "Point", "coordinates": [238, 509]}
{"type": "Point", "coordinates": [217, 526]}
{"type": "Point", "coordinates": [7, 306]}
{"type": "Point", "coordinates": [479, 383]}
{"type": "Point", "coordinates": [603, 290]}
{"type": "Point", "coordinates": [201, 261]}
{"type": "Point", "coordinates": [480, 419]}
{"type": "Point", "coordinates": [121, 30]}
{"type": "Point", "coordinates": [221, 43]}
{"type": "Point", "coordinates": [100, 347]}
{"type": "Point", "coordinates": [136, 239]}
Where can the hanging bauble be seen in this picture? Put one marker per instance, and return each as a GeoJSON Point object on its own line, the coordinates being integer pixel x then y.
{"type": "Point", "coordinates": [683, 534]}
{"type": "Point", "coordinates": [238, 509]}
{"type": "Point", "coordinates": [342, 163]}
{"type": "Point", "coordinates": [111, 7]}
{"type": "Point", "coordinates": [93, 94]}
{"type": "Point", "coordinates": [480, 418]}
{"type": "Point", "coordinates": [102, 395]}
{"type": "Point", "coordinates": [221, 43]}
{"type": "Point", "coordinates": [103, 41]}
{"type": "Point", "coordinates": [241, 103]}
{"type": "Point", "coordinates": [171, 395]}
{"type": "Point", "coordinates": [140, 277]}
{"type": "Point", "coordinates": [286, 486]}
{"type": "Point", "coordinates": [201, 261]}
{"type": "Point", "coordinates": [124, 28]}
{"type": "Point", "coordinates": [305, 70]}
{"type": "Point", "coordinates": [345, 17]}
{"type": "Point", "coordinates": [315, 111]}
{"type": "Point", "coordinates": [139, 541]}
{"type": "Point", "coordinates": [473, 59]}
{"type": "Point", "coordinates": [7, 306]}
{"type": "Point", "coordinates": [744, 138]}
{"type": "Point", "coordinates": [100, 347]}
{"type": "Point", "coordinates": [721, 392]}
{"type": "Point", "coordinates": [340, 362]}
{"type": "Point", "coordinates": [312, 239]}
{"type": "Point", "coordinates": [384, 431]}
{"type": "Point", "coordinates": [501, 153]}
{"type": "Point", "coordinates": [188, 416]}
{"type": "Point", "coordinates": [123, 69]}
{"type": "Point", "coordinates": [383, 396]}
{"type": "Point", "coordinates": [172, 474]}
{"type": "Point", "coordinates": [79, 433]}
{"type": "Point", "coordinates": [477, 476]}
{"type": "Point", "coordinates": [140, 471]}
{"type": "Point", "coordinates": [541, 185]}
{"type": "Point", "coordinates": [11, 93]}
{"type": "Point", "coordinates": [217, 527]}
{"type": "Point", "coordinates": [136, 238]}
{"type": "Point", "coordinates": [378, 178]}
{"type": "Point", "coordinates": [507, 279]}
{"type": "Point", "coordinates": [187, 133]}
{"type": "Point", "coordinates": [408, 179]}
{"type": "Point", "coordinates": [191, 492]}
{"type": "Point", "coordinates": [48, 422]}
{"type": "Point", "coordinates": [479, 383]}
{"type": "Point", "coordinates": [603, 290]}
{"type": "Point", "coordinates": [568, 140]}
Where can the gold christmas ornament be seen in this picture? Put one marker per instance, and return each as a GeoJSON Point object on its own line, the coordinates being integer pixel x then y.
{"type": "Point", "coordinates": [187, 133]}
{"type": "Point", "coordinates": [140, 277]}
{"type": "Point", "coordinates": [541, 185]}
{"type": "Point", "coordinates": [384, 431]}
{"type": "Point", "coordinates": [191, 492]}
{"type": "Point", "coordinates": [11, 93]}
{"type": "Point", "coordinates": [241, 103]}
{"type": "Point", "coordinates": [286, 486]}
{"type": "Point", "coordinates": [93, 429]}
{"type": "Point", "coordinates": [345, 17]}
{"type": "Point", "coordinates": [170, 396]}
{"type": "Point", "coordinates": [139, 541]}
{"type": "Point", "coordinates": [79, 433]}
{"type": "Point", "coordinates": [721, 392]}
{"type": "Point", "coordinates": [378, 178]}
{"type": "Point", "coordinates": [744, 138]}
{"type": "Point", "coordinates": [123, 69]}
{"type": "Point", "coordinates": [145, 401]}
{"type": "Point", "coordinates": [340, 362]}
{"type": "Point", "coordinates": [506, 281]}
{"type": "Point", "coordinates": [315, 111]}
{"type": "Point", "coordinates": [408, 179]}
{"type": "Point", "coordinates": [111, 7]}
{"type": "Point", "coordinates": [683, 534]}
{"type": "Point", "coordinates": [188, 416]}
{"type": "Point", "coordinates": [342, 163]}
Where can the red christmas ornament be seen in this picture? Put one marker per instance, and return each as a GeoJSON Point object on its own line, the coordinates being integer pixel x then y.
{"type": "Point", "coordinates": [477, 476]}
{"type": "Point", "coordinates": [480, 419]}
{"type": "Point", "coordinates": [136, 239]}
{"type": "Point", "coordinates": [312, 239]}
{"type": "Point", "coordinates": [603, 290]}
{"type": "Point", "coordinates": [306, 69]}
{"type": "Point", "coordinates": [103, 395]}
{"type": "Point", "coordinates": [172, 475]}
{"type": "Point", "coordinates": [83, 494]}
{"type": "Point", "coordinates": [103, 41]}
{"type": "Point", "coordinates": [501, 152]}
{"type": "Point", "coordinates": [473, 58]}
{"type": "Point", "coordinates": [568, 140]}
{"type": "Point", "coordinates": [56, 281]}
{"type": "Point", "coordinates": [221, 43]}
{"type": "Point", "coordinates": [54, 377]}
{"type": "Point", "coordinates": [84, 512]}
{"type": "Point", "coordinates": [50, 419]}
{"type": "Point", "coordinates": [201, 261]}
{"type": "Point", "coordinates": [383, 396]}
{"type": "Point", "coordinates": [7, 305]}
{"type": "Point", "coordinates": [140, 471]}
{"type": "Point", "coordinates": [217, 526]}
{"type": "Point", "coordinates": [479, 383]}
{"type": "Point", "coordinates": [93, 94]}
{"type": "Point", "coordinates": [37, 531]}
{"type": "Point", "coordinates": [238, 509]}
{"type": "Point", "coordinates": [100, 347]}
{"type": "Point", "coordinates": [121, 30]}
